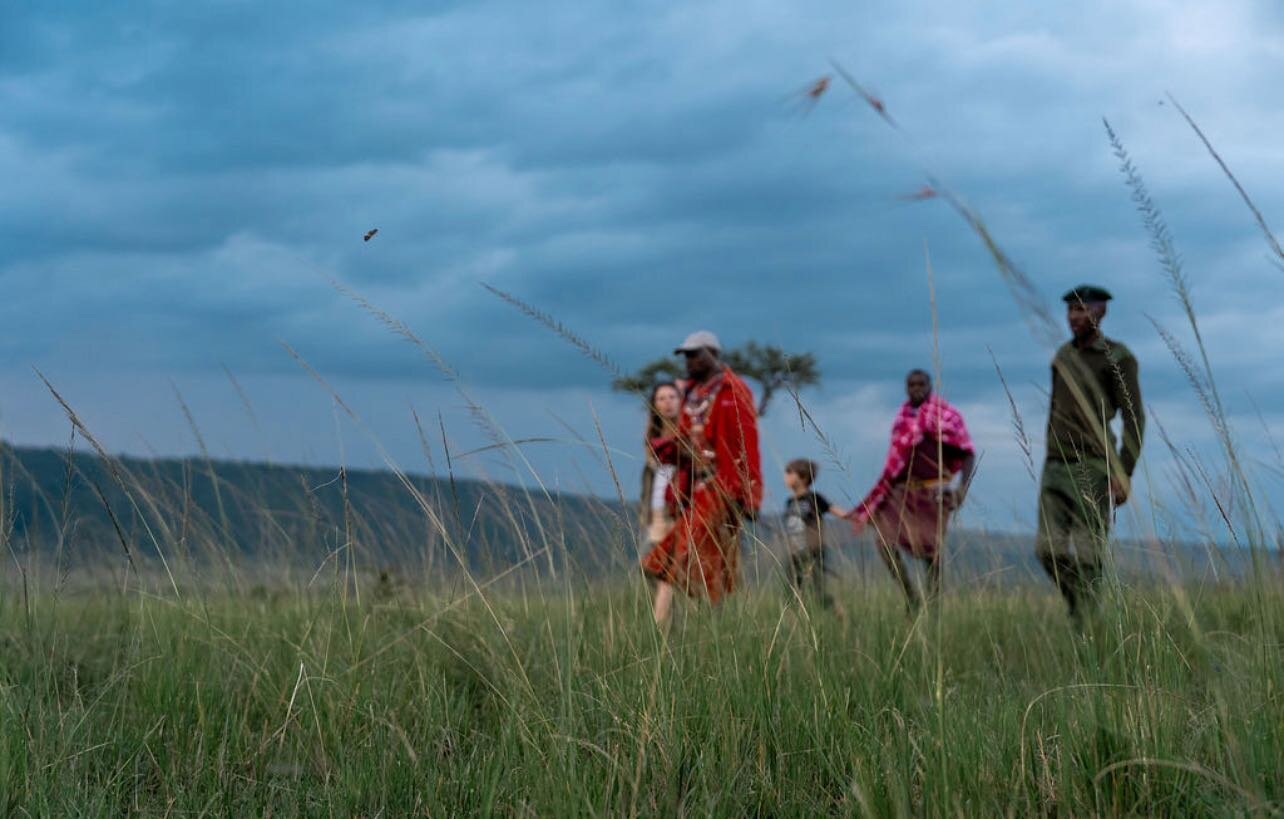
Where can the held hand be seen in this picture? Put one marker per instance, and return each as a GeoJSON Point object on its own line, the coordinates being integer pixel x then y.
{"type": "Point", "coordinates": [954, 498]}
{"type": "Point", "coordinates": [1119, 490]}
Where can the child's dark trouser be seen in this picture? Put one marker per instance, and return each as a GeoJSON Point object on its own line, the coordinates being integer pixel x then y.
{"type": "Point", "coordinates": [807, 572]}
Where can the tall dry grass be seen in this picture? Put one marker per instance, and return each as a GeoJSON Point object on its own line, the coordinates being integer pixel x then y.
{"type": "Point", "coordinates": [482, 651]}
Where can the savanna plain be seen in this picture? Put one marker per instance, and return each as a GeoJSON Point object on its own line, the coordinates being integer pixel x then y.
{"type": "Point", "coordinates": [559, 697]}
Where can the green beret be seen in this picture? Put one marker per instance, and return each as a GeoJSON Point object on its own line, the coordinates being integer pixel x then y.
{"type": "Point", "coordinates": [1088, 294]}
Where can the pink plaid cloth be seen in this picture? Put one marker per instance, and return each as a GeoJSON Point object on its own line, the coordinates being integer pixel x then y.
{"type": "Point", "coordinates": [934, 419]}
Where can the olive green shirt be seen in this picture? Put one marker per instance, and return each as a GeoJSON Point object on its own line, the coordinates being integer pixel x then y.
{"type": "Point", "coordinates": [1089, 387]}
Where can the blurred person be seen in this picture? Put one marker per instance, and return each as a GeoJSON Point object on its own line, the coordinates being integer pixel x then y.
{"type": "Point", "coordinates": [661, 482]}
{"type": "Point", "coordinates": [910, 505]}
{"type": "Point", "coordinates": [805, 511]}
{"type": "Point", "coordinates": [1086, 474]}
{"type": "Point", "coordinates": [718, 445]}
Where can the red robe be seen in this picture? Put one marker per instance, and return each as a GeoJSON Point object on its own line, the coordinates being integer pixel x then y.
{"type": "Point", "coordinates": [719, 438]}
{"type": "Point", "coordinates": [906, 506]}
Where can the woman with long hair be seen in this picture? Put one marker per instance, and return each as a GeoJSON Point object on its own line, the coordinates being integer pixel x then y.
{"type": "Point", "coordinates": [660, 484]}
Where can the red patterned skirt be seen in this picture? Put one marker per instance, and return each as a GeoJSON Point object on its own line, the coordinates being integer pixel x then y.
{"type": "Point", "coordinates": [701, 554]}
{"type": "Point", "coordinates": [914, 518]}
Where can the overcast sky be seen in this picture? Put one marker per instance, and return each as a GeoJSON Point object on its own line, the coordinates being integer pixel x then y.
{"type": "Point", "coordinates": [181, 183]}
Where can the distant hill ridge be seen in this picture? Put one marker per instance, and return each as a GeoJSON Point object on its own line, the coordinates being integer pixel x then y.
{"type": "Point", "coordinates": [236, 508]}
{"type": "Point", "coordinates": [85, 508]}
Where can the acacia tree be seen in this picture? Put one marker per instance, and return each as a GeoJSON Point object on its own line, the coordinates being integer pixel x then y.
{"type": "Point", "coordinates": [773, 369]}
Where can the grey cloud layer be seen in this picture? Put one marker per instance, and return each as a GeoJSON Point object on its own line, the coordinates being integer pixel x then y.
{"type": "Point", "coordinates": [180, 181]}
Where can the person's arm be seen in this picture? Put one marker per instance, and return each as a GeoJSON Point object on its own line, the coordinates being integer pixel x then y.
{"type": "Point", "coordinates": [738, 461]}
{"type": "Point", "coordinates": [648, 482]}
{"type": "Point", "coordinates": [1134, 415]}
{"type": "Point", "coordinates": [824, 507]}
{"type": "Point", "coordinates": [965, 479]}
{"type": "Point", "coordinates": [1128, 399]}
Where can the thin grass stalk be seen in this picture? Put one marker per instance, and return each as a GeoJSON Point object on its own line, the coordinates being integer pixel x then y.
{"type": "Point", "coordinates": [939, 687]}
{"type": "Point", "coordinates": [1274, 243]}
{"type": "Point", "coordinates": [205, 456]}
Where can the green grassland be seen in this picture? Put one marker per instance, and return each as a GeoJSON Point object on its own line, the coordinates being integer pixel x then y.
{"type": "Point", "coordinates": [185, 638]}
{"type": "Point", "coordinates": [562, 699]}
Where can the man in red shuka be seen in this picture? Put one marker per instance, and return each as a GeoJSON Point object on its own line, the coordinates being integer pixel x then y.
{"type": "Point", "coordinates": [718, 438]}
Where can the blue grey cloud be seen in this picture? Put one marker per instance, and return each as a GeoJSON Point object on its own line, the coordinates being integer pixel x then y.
{"type": "Point", "coordinates": [182, 182]}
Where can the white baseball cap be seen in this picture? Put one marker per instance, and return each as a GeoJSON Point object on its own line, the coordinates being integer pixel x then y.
{"type": "Point", "coordinates": [699, 340]}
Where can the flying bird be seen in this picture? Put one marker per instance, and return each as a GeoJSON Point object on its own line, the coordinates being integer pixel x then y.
{"type": "Point", "coordinates": [370, 234]}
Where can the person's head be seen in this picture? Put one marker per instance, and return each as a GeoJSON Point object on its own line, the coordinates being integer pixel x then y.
{"type": "Point", "coordinates": [918, 386]}
{"type": "Point", "coordinates": [800, 474]}
{"type": "Point", "coordinates": [665, 402]}
{"type": "Point", "coordinates": [701, 350]}
{"type": "Point", "coordinates": [1085, 308]}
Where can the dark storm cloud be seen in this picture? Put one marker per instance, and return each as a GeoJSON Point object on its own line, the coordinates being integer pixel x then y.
{"type": "Point", "coordinates": [182, 182]}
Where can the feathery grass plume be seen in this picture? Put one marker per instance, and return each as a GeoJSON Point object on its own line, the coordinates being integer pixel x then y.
{"type": "Point", "coordinates": [398, 327]}
{"type": "Point", "coordinates": [1205, 385]}
{"type": "Point", "coordinates": [1243, 194]}
{"type": "Point", "coordinates": [1161, 240]}
{"type": "Point", "coordinates": [1191, 370]}
{"type": "Point", "coordinates": [870, 99]}
{"type": "Point", "coordinates": [317, 377]}
{"type": "Point", "coordinates": [1018, 423]}
{"type": "Point", "coordinates": [806, 98]}
{"type": "Point", "coordinates": [480, 415]}
{"type": "Point", "coordinates": [585, 347]}
{"type": "Point", "coordinates": [1022, 287]}
{"type": "Point", "coordinates": [1027, 295]}
{"type": "Point", "coordinates": [567, 334]}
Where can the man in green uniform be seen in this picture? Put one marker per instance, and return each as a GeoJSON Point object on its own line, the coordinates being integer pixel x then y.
{"type": "Point", "coordinates": [1086, 475]}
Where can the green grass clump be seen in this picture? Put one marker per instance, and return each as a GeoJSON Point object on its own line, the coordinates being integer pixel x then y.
{"type": "Point", "coordinates": [558, 701]}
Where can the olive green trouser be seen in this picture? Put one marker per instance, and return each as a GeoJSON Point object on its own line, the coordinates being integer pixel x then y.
{"type": "Point", "coordinates": [1074, 524]}
{"type": "Point", "coordinates": [1074, 511]}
